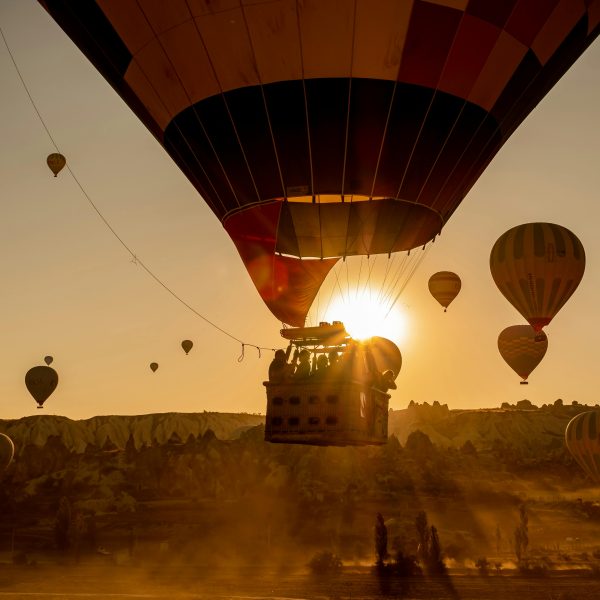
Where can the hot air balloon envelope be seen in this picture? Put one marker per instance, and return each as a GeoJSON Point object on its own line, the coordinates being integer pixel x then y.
{"type": "Point", "coordinates": [537, 266]}
{"type": "Point", "coordinates": [320, 128]}
{"type": "Point", "coordinates": [7, 451]}
{"type": "Point", "coordinates": [522, 348]}
{"type": "Point", "coordinates": [581, 438]}
{"type": "Point", "coordinates": [41, 382]}
{"type": "Point", "coordinates": [444, 287]}
{"type": "Point", "coordinates": [154, 366]}
{"type": "Point", "coordinates": [187, 345]}
{"type": "Point", "coordinates": [386, 355]}
{"type": "Point", "coordinates": [56, 162]}
{"type": "Point", "coordinates": [48, 360]}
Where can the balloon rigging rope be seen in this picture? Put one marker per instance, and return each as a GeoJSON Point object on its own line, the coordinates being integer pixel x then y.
{"type": "Point", "coordinates": [135, 259]}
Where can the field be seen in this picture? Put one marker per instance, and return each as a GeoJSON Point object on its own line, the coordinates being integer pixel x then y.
{"type": "Point", "coordinates": [110, 581]}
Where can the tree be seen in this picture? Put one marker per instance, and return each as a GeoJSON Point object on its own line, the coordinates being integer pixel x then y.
{"type": "Point", "coordinates": [522, 533]}
{"type": "Point", "coordinates": [418, 442]}
{"type": "Point", "coordinates": [483, 565]}
{"type": "Point", "coordinates": [525, 405]}
{"type": "Point", "coordinates": [468, 448]}
{"type": "Point", "coordinates": [62, 524]}
{"type": "Point", "coordinates": [380, 540]}
{"type": "Point", "coordinates": [423, 533]}
{"type": "Point", "coordinates": [435, 564]}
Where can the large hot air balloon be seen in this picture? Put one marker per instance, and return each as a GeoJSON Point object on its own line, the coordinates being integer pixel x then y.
{"type": "Point", "coordinates": [41, 381]}
{"type": "Point", "coordinates": [444, 287]}
{"type": "Point", "coordinates": [583, 442]}
{"type": "Point", "coordinates": [56, 162]}
{"type": "Point", "coordinates": [522, 348]}
{"type": "Point", "coordinates": [7, 451]}
{"type": "Point", "coordinates": [319, 129]}
{"type": "Point", "coordinates": [187, 345]}
{"type": "Point", "coordinates": [537, 266]}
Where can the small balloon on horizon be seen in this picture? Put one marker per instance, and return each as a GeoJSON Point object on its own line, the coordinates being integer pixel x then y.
{"type": "Point", "coordinates": [154, 366]}
{"type": "Point", "coordinates": [48, 359]}
{"type": "Point", "coordinates": [187, 345]}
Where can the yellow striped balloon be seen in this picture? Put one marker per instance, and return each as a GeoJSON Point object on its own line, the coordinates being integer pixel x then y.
{"type": "Point", "coordinates": [537, 266]}
{"type": "Point", "coordinates": [444, 287]}
{"type": "Point", "coordinates": [583, 441]}
{"type": "Point", "coordinates": [522, 348]}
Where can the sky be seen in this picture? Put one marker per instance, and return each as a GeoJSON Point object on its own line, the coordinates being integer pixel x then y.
{"type": "Point", "coordinates": [70, 290]}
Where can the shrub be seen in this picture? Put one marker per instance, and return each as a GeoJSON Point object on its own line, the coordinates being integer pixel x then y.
{"type": "Point", "coordinates": [325, 563]}
{"type": "Point", "coordinates": [482, 565]}
{"type": "Point", "coordinates": [405, 565]}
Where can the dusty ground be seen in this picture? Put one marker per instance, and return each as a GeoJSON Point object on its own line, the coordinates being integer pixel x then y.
{"type": "Point", "coordinates": [109, 581]}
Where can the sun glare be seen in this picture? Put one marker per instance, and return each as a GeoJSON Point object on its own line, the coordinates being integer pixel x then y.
{"type": "Point", "coordinates": [364, 315]}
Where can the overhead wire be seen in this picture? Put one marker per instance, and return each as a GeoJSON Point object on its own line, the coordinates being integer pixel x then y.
{"type": "Point", "coordinates": [133, 256]}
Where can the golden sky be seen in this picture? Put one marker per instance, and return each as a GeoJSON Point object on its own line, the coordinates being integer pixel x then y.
{"type": "Point", "coordinates": [70, 290]}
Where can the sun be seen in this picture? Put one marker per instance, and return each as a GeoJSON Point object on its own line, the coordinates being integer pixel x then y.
{"type": "Point", "coordinates": [365, 315]}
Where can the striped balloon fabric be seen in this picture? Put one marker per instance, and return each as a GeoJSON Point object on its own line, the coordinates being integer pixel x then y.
{"type": "Point", "coordinates": [444, 287]}
{"type": "Point", "coordinates": [522, 348]}
{"type": "Point", "coordinates": [537, 266]}
{"type": "Point", "coordinates": [583, 441]}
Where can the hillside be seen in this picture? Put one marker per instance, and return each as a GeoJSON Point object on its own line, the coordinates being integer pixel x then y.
{"type": "Point", "coordinates": [114, 432]}
{"type": "Point", "coordinates": [207, 485]}
{"type": "Point", "coordinates": [530, 429]}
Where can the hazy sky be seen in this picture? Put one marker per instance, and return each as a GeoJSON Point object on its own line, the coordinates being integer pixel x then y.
{"type": "Point", "coordinates": [70, 290]}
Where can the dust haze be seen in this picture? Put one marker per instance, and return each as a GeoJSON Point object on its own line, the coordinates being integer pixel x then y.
{"type": "Point", "coordinates": [474, 504]}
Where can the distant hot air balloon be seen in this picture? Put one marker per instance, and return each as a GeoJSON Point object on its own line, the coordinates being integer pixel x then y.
{"type": "Point", "coordinates": [444, 287]}
{"type": "Point", "coordinates": [56, 162]}
{"type": "Point", "coordinates": [522, 348]}
{"type": "Point", "coordinates": [320, 129]}
{"type": "Point", "coordinates": [154, 366]}
{"type": "Point", "coordinates": [7, 451]}
{"type": "Point", "coordinates": [48, 360]}
{"type": "Point", "coordinates": [187, 345]}
{"type": "Point", "coordinates": [582, 440]}
{"type": "Point", "coordinates": [41, 382]}
{"type": "Point", "coordinates": [537, 266]}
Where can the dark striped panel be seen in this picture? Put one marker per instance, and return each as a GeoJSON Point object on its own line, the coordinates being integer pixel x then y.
{"type": "Point", "coordinates": [496, 12]}
{"type": "Point", "coordinates": [441, 118]}
{"type": "Point", "coordinates": [408, 110]}
{"type": "Point", "coordinates": [369, 108]}
{"type": "Point", "coordinates": [287, 111]}
{"type": "Point", "coordinates": [263, 159]}
{"type": "Point", "coordinates": [421, 144]}
{"type": "Point", "coordinates": [327, 102]}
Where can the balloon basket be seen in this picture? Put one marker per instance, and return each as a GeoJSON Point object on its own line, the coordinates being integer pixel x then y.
{"type": "Point", "coordinates": [524, 382]}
